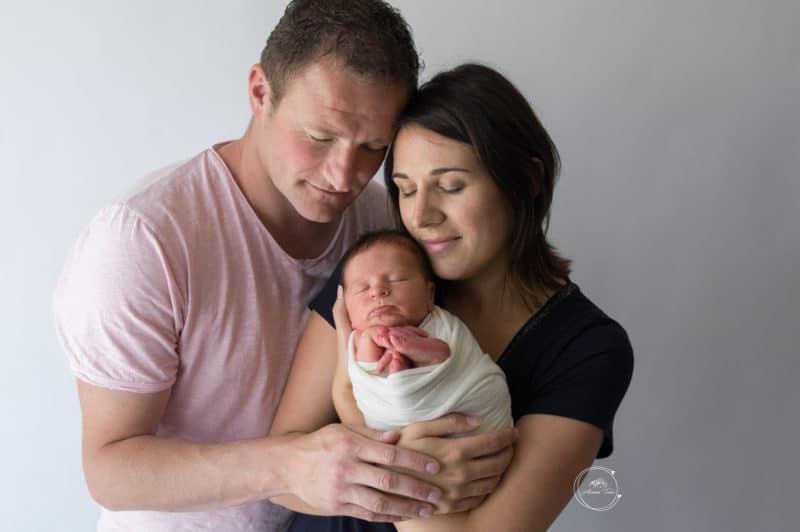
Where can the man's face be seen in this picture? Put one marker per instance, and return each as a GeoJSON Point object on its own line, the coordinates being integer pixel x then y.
{"type": "Point", "coordinates": [325, 139]}
{"type": "Point", "coordinates": [384, 285]}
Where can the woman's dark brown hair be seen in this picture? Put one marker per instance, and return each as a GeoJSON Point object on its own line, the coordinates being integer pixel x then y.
{"type": "Point", "coordinates": [477, 105]}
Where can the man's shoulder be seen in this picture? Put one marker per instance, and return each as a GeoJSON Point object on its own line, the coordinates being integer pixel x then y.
{"type": "Point", "coordinates": [370, 210]}
{"type": "Point", "coordinates": [373, 197]}
{"type": "Point", "coordinates": [173, 185]}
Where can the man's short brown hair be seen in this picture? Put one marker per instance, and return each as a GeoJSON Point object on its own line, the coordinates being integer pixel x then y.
{"type": "Point", "coordinates": [367, 37]}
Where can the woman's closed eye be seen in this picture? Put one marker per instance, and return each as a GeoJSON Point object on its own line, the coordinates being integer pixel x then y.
{"type": "Point", "coordinates": [453, 188]}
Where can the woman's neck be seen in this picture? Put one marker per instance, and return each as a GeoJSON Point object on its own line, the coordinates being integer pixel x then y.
{"type": "Point", "coordinates": [492, 308]}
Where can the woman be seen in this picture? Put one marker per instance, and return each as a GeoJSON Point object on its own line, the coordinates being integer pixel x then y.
{"type": "Point", "coordinates": [470, 176]}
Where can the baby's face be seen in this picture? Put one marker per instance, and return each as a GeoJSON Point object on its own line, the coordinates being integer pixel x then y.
{"type": "Point", "coordinates": [384, 285]}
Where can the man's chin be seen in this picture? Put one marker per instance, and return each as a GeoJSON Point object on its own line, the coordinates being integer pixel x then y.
{"type": "Point", "coordinates": [323, 212]}
{"type": "Point", "coordinates": [322, 215]}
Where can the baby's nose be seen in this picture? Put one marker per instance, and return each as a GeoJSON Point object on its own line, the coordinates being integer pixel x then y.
{"type": "Point", "coordinates": [380, 291]}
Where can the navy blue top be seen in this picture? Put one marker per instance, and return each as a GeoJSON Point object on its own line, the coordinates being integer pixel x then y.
{"type": "Point", "coordinates": [570, 359]}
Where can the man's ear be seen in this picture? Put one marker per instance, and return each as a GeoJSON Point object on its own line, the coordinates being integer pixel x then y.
{"type": "Point", "coordinates": [259, 91]}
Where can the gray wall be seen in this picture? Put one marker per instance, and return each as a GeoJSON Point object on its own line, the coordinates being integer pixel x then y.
{"type": "Point", "coordinates": [679, 126]}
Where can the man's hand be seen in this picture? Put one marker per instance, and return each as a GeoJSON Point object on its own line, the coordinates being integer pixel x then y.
{"type": "Point", "coordinates": [471, 466]}
{"type": "Point", "coordinates": [338, 475]}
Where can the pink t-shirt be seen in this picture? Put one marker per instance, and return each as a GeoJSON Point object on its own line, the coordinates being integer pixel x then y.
{"type": "Point", "coordinates": [180, 285]}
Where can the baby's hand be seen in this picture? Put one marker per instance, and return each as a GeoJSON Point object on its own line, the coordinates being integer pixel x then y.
{"type": "Point", "coordinates": [384, 361]}
{"type": "Point", "coordinates": [415, 344]}
{"type": "Point", "coordinates": [396, 362]}
{"type": "Point", "coordinates": [380, 336]}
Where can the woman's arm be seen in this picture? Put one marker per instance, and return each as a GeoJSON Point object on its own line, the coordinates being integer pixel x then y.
{"type": "Point", "coordinates": [349, 457]}
{"type": "Point", "coordinates": [306, 402]}
{"type": "Point", "coordinates": [342, 389]}
{"type": "Point", "coordinates": [549, 454]}
{"type": "Point", "coordinates": [472, 465]}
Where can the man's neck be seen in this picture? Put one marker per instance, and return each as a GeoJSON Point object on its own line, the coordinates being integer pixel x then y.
{"type": "Point", "coordinates": [298, 237]}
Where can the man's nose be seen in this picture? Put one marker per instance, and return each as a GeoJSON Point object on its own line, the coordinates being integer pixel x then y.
{"type": "Point", "coordinates": [342, 168]}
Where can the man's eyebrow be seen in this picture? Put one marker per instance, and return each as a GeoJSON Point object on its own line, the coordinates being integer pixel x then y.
{"type": "Point", "coordinates": [434, 172]}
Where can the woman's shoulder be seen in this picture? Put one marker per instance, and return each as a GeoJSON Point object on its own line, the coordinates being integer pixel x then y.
{"type": "Point", "coordinates": [572, 360]}
{"type": "Point", "coordinates": [570, 316]}
{"type": "Point", "coordinates": [569, 339]}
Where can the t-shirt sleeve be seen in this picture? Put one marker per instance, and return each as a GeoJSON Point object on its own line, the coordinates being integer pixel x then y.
{"type": "Point", "coordinates": [588, 381]}
{"type": "Point", "coordinates": [116, 306]}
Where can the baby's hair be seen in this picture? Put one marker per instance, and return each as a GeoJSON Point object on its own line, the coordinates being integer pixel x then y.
{"type": "Point", "coordinates": [389, 236]}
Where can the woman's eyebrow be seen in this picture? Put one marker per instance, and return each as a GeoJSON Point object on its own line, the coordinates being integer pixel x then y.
{"type": "Point", "coordinates": [440, 171]}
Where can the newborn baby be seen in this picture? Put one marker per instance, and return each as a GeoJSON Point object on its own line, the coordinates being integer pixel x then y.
{"type": "Point", "coordinates": [388, 292]}
{"type": "Point", "coordinates": [435, 365]}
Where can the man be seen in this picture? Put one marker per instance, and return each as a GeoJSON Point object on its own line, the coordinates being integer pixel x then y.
{"type": "Point", "coordinates": [180, 306]}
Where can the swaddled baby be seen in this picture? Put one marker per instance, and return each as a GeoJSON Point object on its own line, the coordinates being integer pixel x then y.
{"type": "Point", "coordinates": [409, 360]}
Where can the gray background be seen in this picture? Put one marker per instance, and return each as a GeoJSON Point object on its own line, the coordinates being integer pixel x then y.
{"type": "Point", "coordinates": [679, 126]}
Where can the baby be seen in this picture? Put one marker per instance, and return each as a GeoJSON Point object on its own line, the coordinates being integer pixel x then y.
{"type": "Point", "coordinates": [388, 292]}
{"type": "Point", "coordinates": [435, 365]}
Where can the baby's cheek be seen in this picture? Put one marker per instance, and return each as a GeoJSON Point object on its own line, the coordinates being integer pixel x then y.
{"type": "Point", "coordinates": [356, 313]}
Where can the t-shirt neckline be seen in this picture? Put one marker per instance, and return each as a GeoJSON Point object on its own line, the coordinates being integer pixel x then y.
{"type": "Point", "coordinates": [301, 263]}
{"type": "Point", "coordinates": [540, 315]}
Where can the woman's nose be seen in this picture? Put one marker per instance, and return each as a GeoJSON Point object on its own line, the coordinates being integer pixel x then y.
{"type": "Point", "coordinates": [424, 212]}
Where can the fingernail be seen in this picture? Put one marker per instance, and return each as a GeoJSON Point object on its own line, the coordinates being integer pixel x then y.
{"type": "Point", "coordinates": [425, 512]}
{"type": "Point", "coordinates": [339, 292]}
{"type": "Point", "coordinates": [474, 421]}
{"type": "Point", "coordinates": [432, 468]}
{"type": "Point", "coordinates": [434, 497]}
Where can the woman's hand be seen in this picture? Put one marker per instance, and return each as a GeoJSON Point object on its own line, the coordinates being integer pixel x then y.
{"type": "Point", "coordinates": [471, 466]}
{"type": "Point", "coordinates": [341, 321]}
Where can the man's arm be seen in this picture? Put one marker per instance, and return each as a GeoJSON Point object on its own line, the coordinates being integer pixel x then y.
{"type": "Point", "coordinates": [129, 468]}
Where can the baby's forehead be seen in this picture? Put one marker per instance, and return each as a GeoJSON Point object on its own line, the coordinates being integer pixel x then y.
{"type": "Point", "coordinates": [369, 256]}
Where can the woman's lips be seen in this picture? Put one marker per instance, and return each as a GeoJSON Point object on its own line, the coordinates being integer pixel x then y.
{"type": "Point", "coordinates": [440, 245]}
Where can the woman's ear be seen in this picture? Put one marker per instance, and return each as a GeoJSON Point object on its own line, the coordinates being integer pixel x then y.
{"type": "Point", "coordinates": [539, 165]}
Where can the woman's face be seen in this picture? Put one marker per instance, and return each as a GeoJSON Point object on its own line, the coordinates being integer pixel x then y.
{"type": "Point", "coordinates": [450, 205]}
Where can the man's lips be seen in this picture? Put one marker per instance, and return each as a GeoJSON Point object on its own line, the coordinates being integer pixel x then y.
{"type": "Point", "coordinates": [327, 191]}
{"type": "Point", "coordinates": [439, 245]}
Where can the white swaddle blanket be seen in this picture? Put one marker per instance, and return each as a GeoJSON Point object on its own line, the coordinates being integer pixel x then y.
{"type": "Point", "coordinates": [468, 382]}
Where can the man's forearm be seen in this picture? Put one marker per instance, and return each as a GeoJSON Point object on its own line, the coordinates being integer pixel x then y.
{"type": "Point", "coordinates": [152, 473]}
